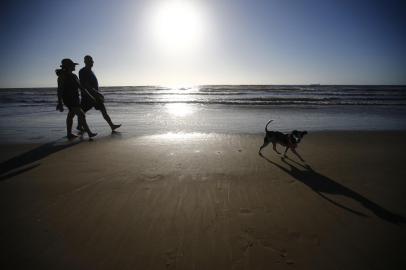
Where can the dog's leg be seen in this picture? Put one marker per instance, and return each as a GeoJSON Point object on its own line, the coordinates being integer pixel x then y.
{"type": "Point", "coordinates": [297, 154]}
{"type": "Point", "coordinates": [274, 148]}
{"type": "Point", "coordinates": [266, 142]}
{"type": "Point", "coordinates": [286, 150]}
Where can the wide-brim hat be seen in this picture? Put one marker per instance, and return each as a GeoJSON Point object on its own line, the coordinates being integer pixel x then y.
{"type": "Point", "coordinates": [67, 63]}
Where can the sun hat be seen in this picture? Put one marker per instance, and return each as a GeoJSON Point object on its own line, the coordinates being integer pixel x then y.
{"type": "Point", "coordinates": [67, 63]}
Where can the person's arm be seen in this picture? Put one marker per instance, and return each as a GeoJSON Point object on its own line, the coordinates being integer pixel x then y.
{"type": "Point", "coordinates": [83, 88]}
{"type": "Point", "coordinates": [85, 84]}
{"type": "Point", "coordinates": [59, 106]}
{"type": "Point", "coordinates": [85, 81]}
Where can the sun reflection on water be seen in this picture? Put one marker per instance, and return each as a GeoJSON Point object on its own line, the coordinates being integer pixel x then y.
{"type": "Point", "coordinates": [179, 109]}
{"type": "Point", "coordinates": [179, 137]}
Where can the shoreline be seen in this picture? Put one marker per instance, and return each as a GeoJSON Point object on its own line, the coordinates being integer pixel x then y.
{"type": "Point", "coordinates": [105, 135]}
{"type": "Point", "coordinates": [151, 119]}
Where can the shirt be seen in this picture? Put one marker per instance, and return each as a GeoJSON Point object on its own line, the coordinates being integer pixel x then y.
{"type": "Point", "coordinates": [68, 84]}
{"type": "Point", "coordinates": [88, 79]}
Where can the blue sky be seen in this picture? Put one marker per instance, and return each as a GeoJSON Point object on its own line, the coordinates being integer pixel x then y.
{"type": "Point", "coordinates": [243, 42]}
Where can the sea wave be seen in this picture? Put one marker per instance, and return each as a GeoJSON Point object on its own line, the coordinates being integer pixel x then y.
{"type": "Point", "coordinates": [223, 94]}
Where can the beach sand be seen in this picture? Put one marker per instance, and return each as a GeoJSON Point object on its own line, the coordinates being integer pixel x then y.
{"type": "Point", "coordinates": [205, 201]}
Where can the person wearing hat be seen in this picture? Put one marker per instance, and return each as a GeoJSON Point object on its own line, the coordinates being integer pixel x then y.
{"type": "Point", "coordinates": [89, 81]}
{"type": "Point", "coordinates": [68, 94]}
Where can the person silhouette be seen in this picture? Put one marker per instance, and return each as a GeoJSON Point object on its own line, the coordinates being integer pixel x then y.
{"type": "Point", "coordinates": [89, 81]}
{"type": "Point", "coordinates": [68, 95]}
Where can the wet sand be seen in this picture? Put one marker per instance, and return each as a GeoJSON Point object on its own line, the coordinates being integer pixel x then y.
{"type": "Point", "coordinates": [199, 201]}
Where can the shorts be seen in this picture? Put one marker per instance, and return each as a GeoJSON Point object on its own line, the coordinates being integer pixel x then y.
{"type": "Point", "coordinates": [71, 101]}
{"type": "Point", "coordinates": [87, 104]}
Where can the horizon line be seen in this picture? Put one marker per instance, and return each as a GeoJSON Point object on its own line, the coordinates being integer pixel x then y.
{"type": "Point", "coordinates": [196, 85]}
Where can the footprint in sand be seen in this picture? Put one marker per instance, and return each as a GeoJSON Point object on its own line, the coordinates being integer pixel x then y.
{"type": "Point", "coordinates": [171, 256]}
{"type": "Point", "coordinates": [245, 211]}
{"type": "Point", "coordinates": [154, 177]}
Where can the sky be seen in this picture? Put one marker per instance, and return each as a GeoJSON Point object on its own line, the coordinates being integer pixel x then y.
{"type": "Point", "coordinates": [190, 42]}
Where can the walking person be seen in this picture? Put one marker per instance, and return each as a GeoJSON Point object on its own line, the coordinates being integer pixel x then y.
{"type": "Point", "coordinates": [89, 81]}
{"type": "Point", "coordinates": [68, 95]}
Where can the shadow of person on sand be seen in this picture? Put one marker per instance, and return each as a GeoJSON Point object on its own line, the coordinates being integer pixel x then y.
{"type": "Point", "coordinates": [24, 162]}
{"type": "Point", "coordinates": [322, 185]}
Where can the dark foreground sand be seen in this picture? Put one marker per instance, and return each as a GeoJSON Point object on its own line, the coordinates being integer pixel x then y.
{"type": "Point", "coordinates": [197, 201]}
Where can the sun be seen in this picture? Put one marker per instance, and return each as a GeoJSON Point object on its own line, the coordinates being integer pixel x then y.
{"type": "Point", "coordinates": [177, 26]}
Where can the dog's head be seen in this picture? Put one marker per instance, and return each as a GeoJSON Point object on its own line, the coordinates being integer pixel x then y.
{"type": "Point", "coordinates": [298, 135]}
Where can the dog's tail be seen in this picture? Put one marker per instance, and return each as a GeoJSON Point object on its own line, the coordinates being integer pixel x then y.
{"type": "Point", "coordinates": [266, 127]}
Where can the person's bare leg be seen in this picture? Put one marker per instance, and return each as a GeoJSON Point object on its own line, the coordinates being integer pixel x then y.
{"type": "Point", "coordinates": [106, 116]}
{"type": "Point", "coordinates": [108, 119]}
{"type": "Point", "coordinates": [79, 127]}
{"type": "Point", "coordinates": [82, 121]}
{"type": "Point", "coordinates": [69, 123]}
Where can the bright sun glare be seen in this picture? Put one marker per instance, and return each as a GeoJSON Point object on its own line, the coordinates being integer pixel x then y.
{"type": "Point", "coordinates": [177, 25]}
{"type": "Point", "coordinates": [179, 109]}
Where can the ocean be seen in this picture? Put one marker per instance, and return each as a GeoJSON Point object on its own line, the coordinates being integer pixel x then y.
{"type": "Point", "coordinates": [29, 114]}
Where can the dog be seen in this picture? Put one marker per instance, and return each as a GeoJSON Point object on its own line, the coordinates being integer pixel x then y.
{"type": "Point", "coordinates": [290, 141]}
